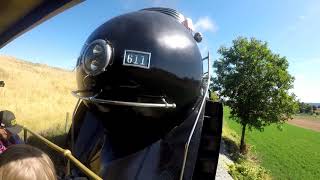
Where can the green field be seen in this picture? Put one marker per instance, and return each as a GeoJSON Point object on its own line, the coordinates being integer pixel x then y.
{"type": "Point", "coordinates": [293, 153]}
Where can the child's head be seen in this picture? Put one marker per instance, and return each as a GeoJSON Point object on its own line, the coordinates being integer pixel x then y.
{"type": "Point", "coordinates": [8, 125]}
{"type": "Point", "coordinates": [24, 162]}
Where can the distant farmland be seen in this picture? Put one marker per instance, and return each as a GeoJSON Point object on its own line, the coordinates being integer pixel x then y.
{"type": "Point", "coordinates": [293, 153]}
{"type": "Point", "coordinates": [39, 95]}
{"type": "Point", "coordinates": [307, 116]}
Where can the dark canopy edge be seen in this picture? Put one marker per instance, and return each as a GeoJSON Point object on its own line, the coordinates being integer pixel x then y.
{"type": "Point", "coordinates": [36, 16]}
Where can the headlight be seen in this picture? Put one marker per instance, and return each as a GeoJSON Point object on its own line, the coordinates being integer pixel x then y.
{"type": "Point", "coordinates": [96, 57]}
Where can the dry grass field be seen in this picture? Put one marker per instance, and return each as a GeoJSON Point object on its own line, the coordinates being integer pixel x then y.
{"type": "Point", "coordinates": [306, 123]}
{"type": "Point", "coordinates": [39, 95]}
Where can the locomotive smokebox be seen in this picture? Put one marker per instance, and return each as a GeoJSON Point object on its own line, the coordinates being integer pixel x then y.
{"type": "Point", "coordinates": [143, 57]}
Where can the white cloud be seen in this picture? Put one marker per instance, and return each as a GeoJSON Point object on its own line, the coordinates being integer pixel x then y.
{"type": "Point", "coordinates": [205, 24]}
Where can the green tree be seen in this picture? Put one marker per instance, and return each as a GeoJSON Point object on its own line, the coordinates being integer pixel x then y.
{"type": "Point", "coordinates": [307, 108]}
{"type": "Point", "coordinates": [214, 96]}
{"type": "Point", "coordinates": [314, 108]}
{"type": "Point", "coordinates": [304, 107]}
{"type": "Point", "coordinates": [254, 82]}
{"type": "Point", "coordinates": [301, 107]}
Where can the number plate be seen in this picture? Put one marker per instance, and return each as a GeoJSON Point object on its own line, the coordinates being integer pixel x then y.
{"type": "Point", "coordinates": [137, 59]}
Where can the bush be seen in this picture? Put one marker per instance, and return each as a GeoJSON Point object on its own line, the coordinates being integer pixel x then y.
{"type": "Point", "coordinates": [245, 170]}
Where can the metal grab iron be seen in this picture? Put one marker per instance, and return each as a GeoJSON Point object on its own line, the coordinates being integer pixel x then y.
{"type": "Point", "coordinates": [122, 103]}
{"type": "Point", "coordinates": [197, 119]}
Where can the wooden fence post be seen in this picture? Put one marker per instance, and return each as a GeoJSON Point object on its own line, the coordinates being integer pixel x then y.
{"type": "Point", "coordinates": [66, 125]}
{"type": "Point", "coordinates": [25, 135]}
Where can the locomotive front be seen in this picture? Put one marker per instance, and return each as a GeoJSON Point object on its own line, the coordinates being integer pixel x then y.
{"type": "Point", "coordinates": [142, 91]}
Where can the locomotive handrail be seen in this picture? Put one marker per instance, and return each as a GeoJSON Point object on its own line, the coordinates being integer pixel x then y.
{"type": "Point", "coordinates": [122, 103]}
{"type": "Point", "coordinates": [185, 156]}
{"type": "Point", "coordinates": [65, 152]}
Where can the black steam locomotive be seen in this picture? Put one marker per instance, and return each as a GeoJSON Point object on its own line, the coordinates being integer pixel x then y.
{"type": "Point", "coordinates": [143, 109]}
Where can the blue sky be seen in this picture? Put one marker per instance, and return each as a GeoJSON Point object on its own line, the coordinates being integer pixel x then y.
{"type": "Point", "coordinates": [291, 27]}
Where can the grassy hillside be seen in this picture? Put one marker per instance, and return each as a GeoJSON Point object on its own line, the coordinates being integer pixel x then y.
{"type": "Point", "coordinates": [39, 95]}
{"type": "Point", "coordinates": [293, 153]}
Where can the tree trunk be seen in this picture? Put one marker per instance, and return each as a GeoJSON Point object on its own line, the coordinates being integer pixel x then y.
{"type": "Point", "coordinates": [243, 147]}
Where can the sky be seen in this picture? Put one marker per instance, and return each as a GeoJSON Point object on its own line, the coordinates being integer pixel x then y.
{"type": "Point", "coordinates": [291, 28]}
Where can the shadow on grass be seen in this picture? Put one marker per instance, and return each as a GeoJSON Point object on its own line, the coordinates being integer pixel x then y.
{"type": "Point", "coordinates": [57, 137]}
{"type": "Point", "coordinates": [231, 149]}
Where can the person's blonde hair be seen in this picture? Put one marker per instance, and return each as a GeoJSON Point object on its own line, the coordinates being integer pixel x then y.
{"type": "Point", "coordinates": [24, 162]}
